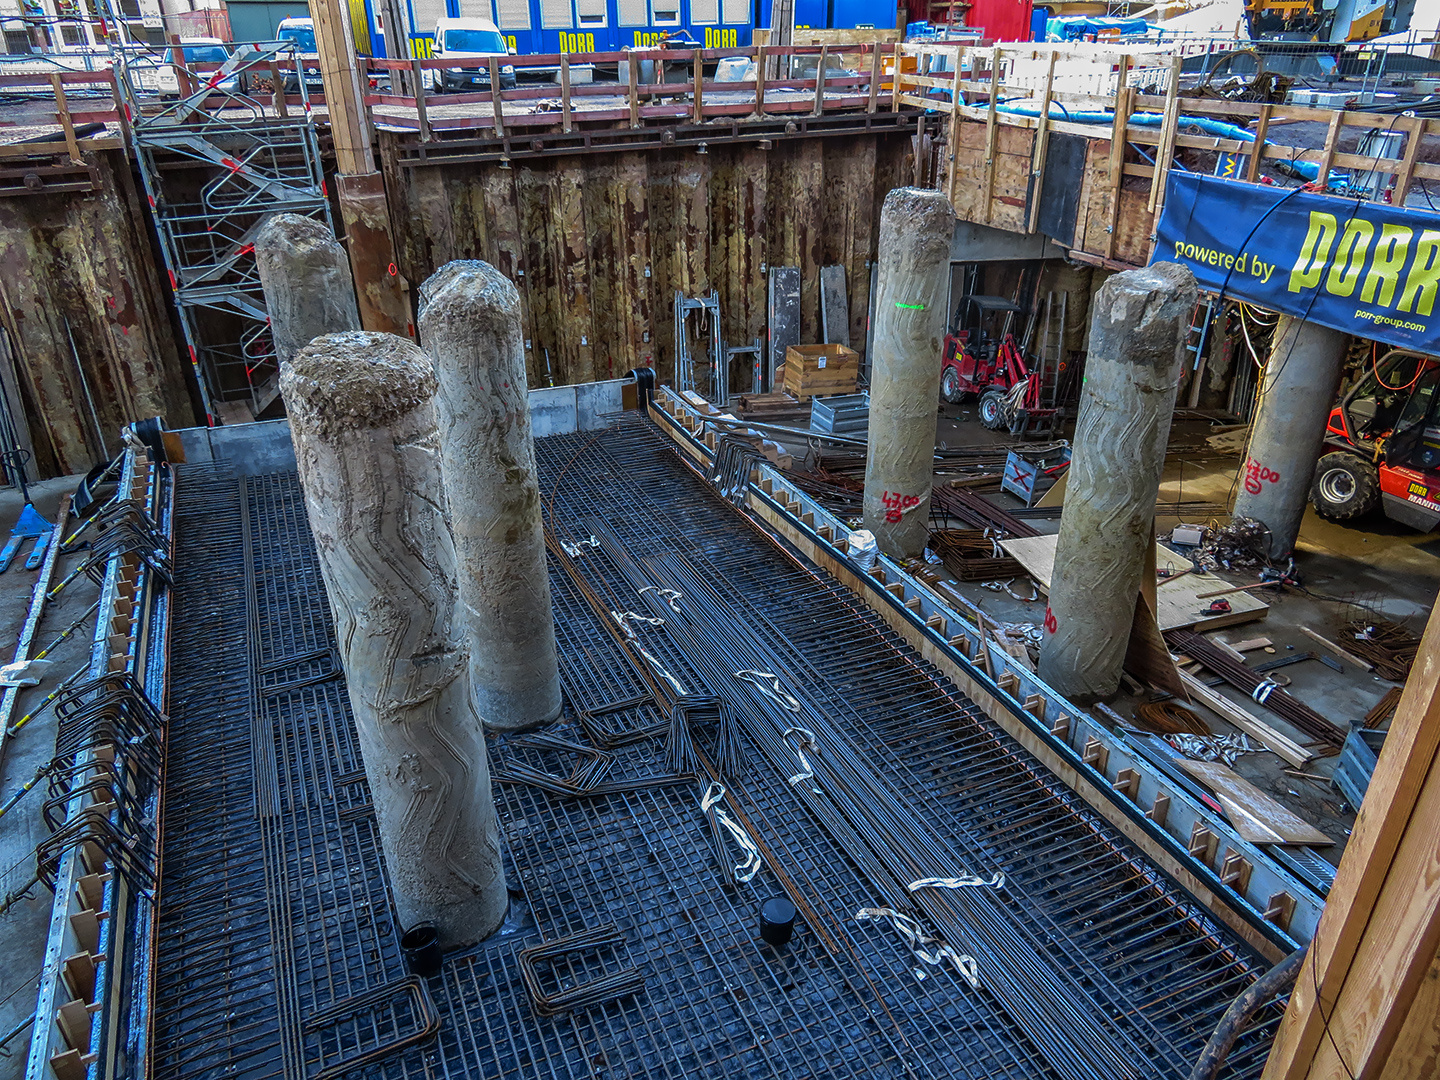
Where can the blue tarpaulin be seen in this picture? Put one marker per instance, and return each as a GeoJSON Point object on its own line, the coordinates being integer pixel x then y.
{"type": "Point", "coordinates": [1079, 27]}
{"type": "Point", "coordinates": [1362, 267]}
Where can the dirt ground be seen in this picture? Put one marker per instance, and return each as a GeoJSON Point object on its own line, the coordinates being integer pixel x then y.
{"type": "Point", "coordinates": [1370, 566]}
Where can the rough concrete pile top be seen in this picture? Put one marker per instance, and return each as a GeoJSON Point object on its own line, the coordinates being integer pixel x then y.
{"type": "Point", "coordinates": [468, 287]}
{"type": "Point", "coordinates": [355, 381]}
{"type": "Point", "coordinates": [296, 236]}
{"type": "Point", "coordinates": [1142, 304]}
{"type": "Point", "coordinates": [930, 232]}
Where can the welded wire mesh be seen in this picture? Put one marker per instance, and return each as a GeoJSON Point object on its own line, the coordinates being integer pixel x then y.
{"type": "Point", "coordinates": [274, 903]}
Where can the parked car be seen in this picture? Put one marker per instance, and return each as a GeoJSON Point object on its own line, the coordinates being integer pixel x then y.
{"type": "Point", "coordinates": [302, 32]}
{"type": "Point", "coordinates": [470, 39]}
{"type": "Point", "coordinates": [197, 51]}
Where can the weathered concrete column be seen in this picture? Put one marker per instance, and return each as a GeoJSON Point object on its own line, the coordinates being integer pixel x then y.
{"type": "Point", "coordinates": [916, 227]}
{"type": "Point", "coordinates": [306, 277]}
{"type": "Point", "coordinates": [1139, 320]}
{"type": "Point", "coordinates": [1296, 395]}
{"type": "Point", "coordinates": [470, 325]}
{"type": "Point", "coordinates": [363, 423]}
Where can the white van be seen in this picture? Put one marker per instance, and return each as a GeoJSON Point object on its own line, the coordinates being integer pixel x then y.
{"type": "Point", "coordinates": [470, 39]}
{"type": "Point", "coordinates": [302, 32]}
{"type": "Point", "coordinates": [198, 50]}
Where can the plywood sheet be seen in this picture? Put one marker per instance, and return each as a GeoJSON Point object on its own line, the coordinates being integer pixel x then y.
{"type": "Point", "coordinates": [834, 306]}
{"type": "Point", "coordinates": [1256, 816]}
{"type": "Point", "coordinates": [1176, 605]}
{"type": "Point", "coordinates": [1065, 163]}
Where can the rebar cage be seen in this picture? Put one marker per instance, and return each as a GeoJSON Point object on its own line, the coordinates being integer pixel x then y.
{"type": "Point", "coordinates": [278, 953]}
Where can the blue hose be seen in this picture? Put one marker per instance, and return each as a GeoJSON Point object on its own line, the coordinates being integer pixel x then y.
{"type": "Point", "coordinates": [1306, 170]}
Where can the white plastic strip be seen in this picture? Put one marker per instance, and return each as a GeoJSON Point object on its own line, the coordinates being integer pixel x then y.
{"type": "Point", "coordinates": [709, 804]}
{"type": "Point", "coordinates": [768, 683]}
{"type": "Point", "coordinates": [574, 550]}
{"type": "Point", "coordinates": [670, 596]}
{"type": "Point", "coordinates": [804, 738]}
{"type": "Point", "coordinates": [926, 949]}
{"type": "Point", "coordinates": [965, 881]}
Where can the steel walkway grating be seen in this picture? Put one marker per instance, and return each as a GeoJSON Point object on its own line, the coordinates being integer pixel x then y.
{"type": "Point", "coordinates": [278, 952]}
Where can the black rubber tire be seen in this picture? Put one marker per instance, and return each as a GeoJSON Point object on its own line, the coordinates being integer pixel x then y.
{"type": "Point", "coordinates": [992, 409]}
{"type": "Point", "coordinates": [1345, 487]}
{"type": "Point", "coordinates": [950, 386]}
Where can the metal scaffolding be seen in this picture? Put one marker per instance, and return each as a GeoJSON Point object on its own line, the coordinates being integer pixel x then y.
{"type": "Point", "coordinates": [270, 159]}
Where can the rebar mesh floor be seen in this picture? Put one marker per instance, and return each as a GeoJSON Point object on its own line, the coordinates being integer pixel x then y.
{"type": "Point", "coordinates": [278, 954]}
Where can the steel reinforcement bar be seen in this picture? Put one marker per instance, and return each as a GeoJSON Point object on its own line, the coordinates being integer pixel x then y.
{"type": "Point", "coordinates": [102, 856]}
{"type": "Point", "coordinates": [1239, 881]}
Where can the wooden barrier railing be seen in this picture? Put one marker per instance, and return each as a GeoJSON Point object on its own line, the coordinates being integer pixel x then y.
{"type": "Point", "coordinates": [966, 83]}
{"type": "Point", "coordinates": [678, 92]}
{"type": "Point", "coordinates": [632, 101]}
{"type": "Point", "coordinates": [81, 98]}
{"type": "Point", "coordinates": [928, 79]}
{"type": "Point", "coordinates": [63, 151]}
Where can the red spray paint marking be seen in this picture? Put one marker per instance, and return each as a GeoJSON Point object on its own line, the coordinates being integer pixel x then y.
{"type": "Point", "coordinates": [896, 504]}
{"type": "Point", "coordinates": [1257, 476]}
{"type": "Point", "coordinates": [1051, 623]}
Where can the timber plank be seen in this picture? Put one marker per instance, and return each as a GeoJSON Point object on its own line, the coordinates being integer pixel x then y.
{"type": "Point", "coordinates": [808, 178]}
{"type": "Point", "coordinates": [495, 200]}
{"type": "Point", "coordinates": [577, 329]}
{"type": "Point", "coordinates": [605, 250]}
{"type": "Point", "coordinates": [1177, 605]}
{"type": "Point", "coordinates": [634, 261]}
{"type": "Point", "coordinates": [1256, 816]}
{"type": "Point", "coordinates": [1380, 921]}
{"type": "Point", "coordinates": [537, 196]}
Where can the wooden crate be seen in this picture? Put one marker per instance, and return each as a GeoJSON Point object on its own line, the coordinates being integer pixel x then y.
{"type": "Point", "coordinates": [816, 370]}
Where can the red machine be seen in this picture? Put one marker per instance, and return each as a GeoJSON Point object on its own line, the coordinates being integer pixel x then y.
{"type": "Point", "coordinates": [981, 357]}
{"type": "Point", "coordinates": [1384, 443]}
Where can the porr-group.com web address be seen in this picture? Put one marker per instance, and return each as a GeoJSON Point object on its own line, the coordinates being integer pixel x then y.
{"type": "Point", "coordinates": [1387, 320]}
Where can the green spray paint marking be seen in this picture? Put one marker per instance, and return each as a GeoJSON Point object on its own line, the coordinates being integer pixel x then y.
{"type": "Point", "coordinates": [910, 307]}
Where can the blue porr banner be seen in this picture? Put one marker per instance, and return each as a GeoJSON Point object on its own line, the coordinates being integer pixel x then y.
{"type": "Point", "coordinates": [1362, 267]}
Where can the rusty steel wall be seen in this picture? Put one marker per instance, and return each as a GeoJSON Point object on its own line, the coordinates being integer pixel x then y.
{"type": "Point", "coordinates": [86, 259]}
{"type": "Point", "coordinates": [599, 243]}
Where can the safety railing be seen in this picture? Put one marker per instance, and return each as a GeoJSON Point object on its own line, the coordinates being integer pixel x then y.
{"type": "Point", "coordinates": [652, 85]}
{"type": "Point", "coordinates": [1121, 108]}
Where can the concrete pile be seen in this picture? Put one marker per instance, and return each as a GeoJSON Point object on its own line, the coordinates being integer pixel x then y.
{"type": "Point", "coordinates": [421, 487]}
